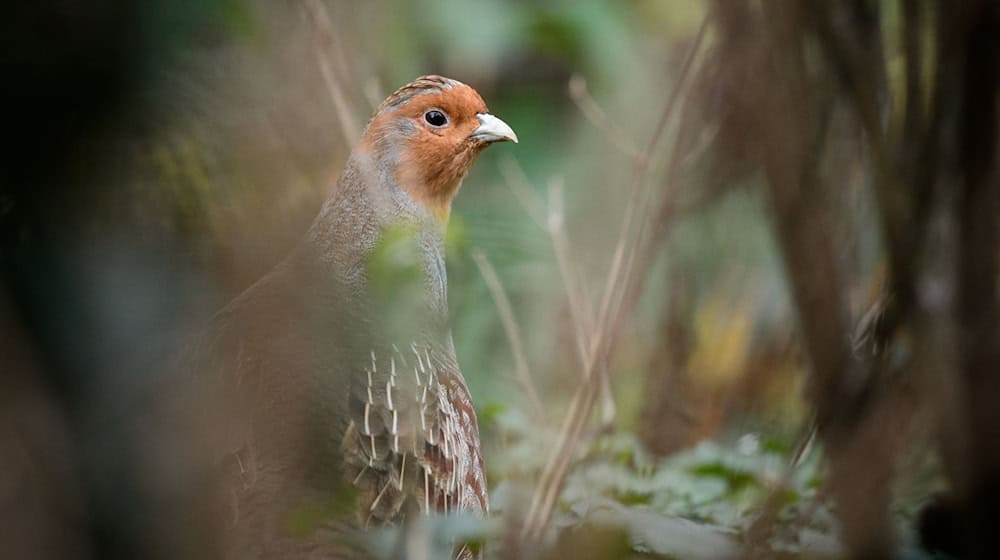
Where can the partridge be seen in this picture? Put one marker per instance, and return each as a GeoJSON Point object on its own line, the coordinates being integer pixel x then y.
{"type": "Point", "coordinates": [347, 405]}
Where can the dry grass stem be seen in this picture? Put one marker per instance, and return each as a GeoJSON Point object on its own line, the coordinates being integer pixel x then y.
{"type": "Point", "coordinates": [520, 187]}
{"type": "Point", "coordinates": [316, 13]}
{"type": "Point", "coordinates": [556, 227]}
{"type": "Point", "coordinates": [599, 340]}
{"type": "Point", "coordinates": [512, 330]}
{"type": "Point", "coordinates": [597, 116]}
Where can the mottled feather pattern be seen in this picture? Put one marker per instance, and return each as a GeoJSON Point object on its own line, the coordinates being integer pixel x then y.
{"type": "Point", "coordinates": [413, 435]}
{"type": "Point", "coordinates": [420, 86]}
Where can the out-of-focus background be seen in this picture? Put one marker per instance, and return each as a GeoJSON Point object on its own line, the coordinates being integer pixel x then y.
{"type": "Point", "coordinates": [726, 224]}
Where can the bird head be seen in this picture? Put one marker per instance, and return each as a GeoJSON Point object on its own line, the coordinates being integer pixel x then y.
{"type": "Point", "coordinates": [430, 132]}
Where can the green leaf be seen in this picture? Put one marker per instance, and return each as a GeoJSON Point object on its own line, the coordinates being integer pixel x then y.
{"type": "Point", "coordinates": [736, 479]}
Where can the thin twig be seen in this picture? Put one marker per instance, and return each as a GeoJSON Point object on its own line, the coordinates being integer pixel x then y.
{"type": "Point", "coordinates": [520, 187]}
{"type": "Point", "coordinates": [550, 218]}
{"type": "Point", "coordinates": [556, 226]}
{"type": "Point", "coordinates": [317, 14]}
{"type": "Point", "coordinates": [554, 472]}
{"type": "Point", "coordinates": [599, 118]}
{"type": "Point", "coordinates": [762, 527]}
{"type": "Point", "coordinates": [510, 328]}
{"type": "Point", "coordinates": [642, 170]}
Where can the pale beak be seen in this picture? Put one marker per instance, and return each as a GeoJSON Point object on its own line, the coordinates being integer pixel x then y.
{"type": "Point", "coordinates": [492, 129]}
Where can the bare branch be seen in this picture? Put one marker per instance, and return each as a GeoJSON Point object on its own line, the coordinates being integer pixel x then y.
{"type": "Point", "coordinates": [520, 187]}
{"type": "Point", "coordinates": [556, 226]}
{"type": "Point", "coordinates": [605, 330]}
{"type": "Point", "coordinates": [320, 19]}
{"type": "Point", "coordinates": [599, 118]}
{"type": "Point", "coordinates": [511, 329]}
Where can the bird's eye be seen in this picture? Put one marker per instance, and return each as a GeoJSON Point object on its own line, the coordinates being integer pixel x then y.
{"type": "Point", "coordinates": [435, 118]}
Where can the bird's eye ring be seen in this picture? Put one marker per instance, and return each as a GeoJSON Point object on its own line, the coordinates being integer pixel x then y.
{"type": "Point", "coordinates": [435, 118]}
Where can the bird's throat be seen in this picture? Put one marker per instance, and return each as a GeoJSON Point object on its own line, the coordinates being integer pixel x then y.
{"type": "Point", "coordinates": [434, 184]}
{"type": "Point", "coordinates": [435, 196]}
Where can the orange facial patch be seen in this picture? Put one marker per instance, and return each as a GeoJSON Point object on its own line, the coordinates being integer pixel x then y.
{"type": "Point", "coordinates": [434, 159]}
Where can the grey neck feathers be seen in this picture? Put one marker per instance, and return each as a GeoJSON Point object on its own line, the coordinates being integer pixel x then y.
{"type": "Point", "coordinates": [367, 203]}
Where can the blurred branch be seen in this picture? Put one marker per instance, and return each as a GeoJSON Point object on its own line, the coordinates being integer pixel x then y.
{"type": "Point", "coordinates": [316, 12]}
{"type": "Point", "coordinates": [511, 329]}
{"type": "Point", "coordinates": [977, 305]}
{"type": "Point", "coordinates": [520, 187]}
{"type": "Point", "coordinates": [852, 60]}
{"type": "Point", "coordinates": [579, 94]}
{"type": "Point", "coordinates": [550, 218]}
{"type": "Point", "coordinates": [606, 327]}
{"type": "Point", "coordinates": [556, 227]}
{"type": "Point", "coordinates": [374, 92]}
{"type": "Point", "coordinates": [795, 122]}
{"type": "Point", "coordinates": [910, 32]}
{"type": "Point", "coordinates": [644, 245]}
{"type": "Point", "coordinates": [935, 177]}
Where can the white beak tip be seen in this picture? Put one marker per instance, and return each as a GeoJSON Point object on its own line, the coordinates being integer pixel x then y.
{"type": "Point", "coordinates": [492, 129]}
